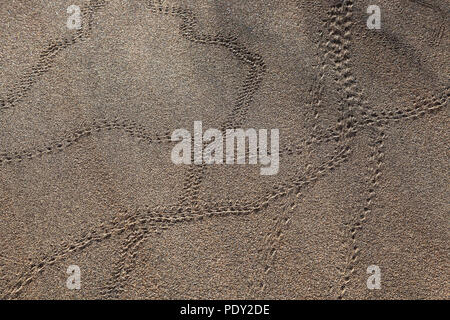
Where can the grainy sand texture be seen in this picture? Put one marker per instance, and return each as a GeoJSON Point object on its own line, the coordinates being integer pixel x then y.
{"type": "Point", "coordinates": [87, 180]}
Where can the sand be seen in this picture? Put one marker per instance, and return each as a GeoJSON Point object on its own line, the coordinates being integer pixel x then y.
{"type": "Point", "coordinates": [87, 179]}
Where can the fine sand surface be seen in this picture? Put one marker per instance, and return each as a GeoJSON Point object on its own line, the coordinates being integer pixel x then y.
{"type": "Point", "coordinates": [86, 176]}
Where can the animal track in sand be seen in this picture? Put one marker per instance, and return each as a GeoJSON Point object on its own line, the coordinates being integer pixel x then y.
{"type": "Point", "coordinates": [141, 224]}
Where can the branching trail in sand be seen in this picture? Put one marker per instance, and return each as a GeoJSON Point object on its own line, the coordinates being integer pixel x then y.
{"type": "Point", "coordinates": [137, 226]}
{"type": "Point", "coordinates": [47, 57]}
